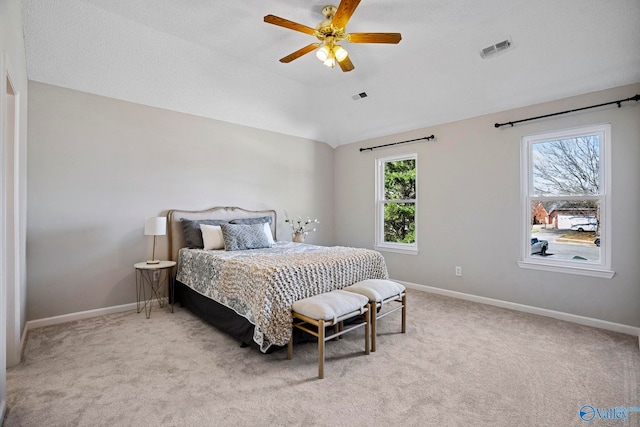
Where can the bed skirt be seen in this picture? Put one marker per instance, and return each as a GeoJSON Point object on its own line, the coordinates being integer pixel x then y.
{"type": "Point", "coordinates": [215, 314]}
{"type": "Point", "coordinates": [225, 319]}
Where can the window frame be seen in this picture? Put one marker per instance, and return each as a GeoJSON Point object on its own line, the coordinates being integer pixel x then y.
{"type": "Point", "coordinates": [600, 269]}
{"type": "Point", "coordinates": [380, 202]}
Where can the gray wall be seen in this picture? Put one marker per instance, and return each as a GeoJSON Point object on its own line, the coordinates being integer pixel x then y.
{"type": "Point", "coordinates": [469, 209]}
{"type": "Point", "coordinates": [99, 166]}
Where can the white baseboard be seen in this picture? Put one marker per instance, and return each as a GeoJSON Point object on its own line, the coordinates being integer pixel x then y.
{"type": "Point", "coordinates": [581, 320]}
{"type": "Point", "coordinates": [3, 406]}
{"type": "Point", "coordinates": [55, 320]}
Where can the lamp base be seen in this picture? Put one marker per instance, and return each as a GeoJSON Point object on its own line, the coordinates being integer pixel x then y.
{"type": "Point", "coordinates": [155, 261]}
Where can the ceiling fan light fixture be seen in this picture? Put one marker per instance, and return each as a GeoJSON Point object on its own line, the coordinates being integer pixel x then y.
{"type": "Point", "coordinates": [323, 53]}
{"type": "Point", "coordinates": [330, 31]}
{"type": "Point", "coordinates": [330, 62]}
{"type": "Point", "coordinates": [340, 53]}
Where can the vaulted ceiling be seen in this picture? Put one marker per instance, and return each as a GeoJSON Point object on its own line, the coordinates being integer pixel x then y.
{"type": "Point", "coordinates": [218, 59]}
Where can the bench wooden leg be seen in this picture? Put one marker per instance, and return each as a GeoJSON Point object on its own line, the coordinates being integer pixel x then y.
{"type": "Point", "coordinates": [290, 348]}
{"type": "Point", "coordinates": [338, 327]}
{"type": "Point", "coordinates": [367, 330]}
{"type": "Point", "coordinates": [374, 321]}
{"type": "Point", "coordinates": [321, 349]}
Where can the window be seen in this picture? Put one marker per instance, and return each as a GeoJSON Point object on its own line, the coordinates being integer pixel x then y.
{"type": "Point", "coordinates": [396, 204]}
{"type": "Point", "coordinates": [565, 201]}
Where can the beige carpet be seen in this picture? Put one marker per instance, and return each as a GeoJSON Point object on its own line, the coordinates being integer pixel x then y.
{"type": "Point", "coordinates": [460, 364]}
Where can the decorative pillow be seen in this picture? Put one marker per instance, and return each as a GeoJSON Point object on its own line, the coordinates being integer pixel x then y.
{"type": "Point", "coordinates": [256, 220]}
{"type": "Point", "coordinates": [212, 237]}
{"type": "Point", "coordinates": [192, 232]}
{"type": "Point", "coordinates": [238, 237]}
{"type": "Point", "coordinates": [268, 233]}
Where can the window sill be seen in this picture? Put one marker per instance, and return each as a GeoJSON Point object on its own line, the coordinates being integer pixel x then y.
{"type": "Point", "coordinates": [580, 270]}
{"type": "Point", "coordinates": [395, 249]}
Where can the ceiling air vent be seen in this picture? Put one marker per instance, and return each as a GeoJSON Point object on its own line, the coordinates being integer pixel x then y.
{"type": "Point", "coordinates": [359, 96]}
{"type": "Point", "coordinates": [493, 49]}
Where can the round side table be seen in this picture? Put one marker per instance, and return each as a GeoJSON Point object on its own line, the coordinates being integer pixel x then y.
{"type": "Point", "coordinates": [154, 281]}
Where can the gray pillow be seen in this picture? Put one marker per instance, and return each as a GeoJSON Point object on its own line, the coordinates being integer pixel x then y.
{"type": "Point", "coordinates": [238, 237]}
{"type": "Point", "coordinates": [192, 232]}
{"type": "Point", "coordinates": [256, 220]}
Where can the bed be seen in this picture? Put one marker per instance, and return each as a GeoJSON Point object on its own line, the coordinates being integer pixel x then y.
{"type": "Point", "coordinates": [248, 293]}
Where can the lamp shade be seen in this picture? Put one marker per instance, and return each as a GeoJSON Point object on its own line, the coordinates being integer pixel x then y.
{"type": "Point", "coordinates": [323, 53]}
{"type": "Point", "coordinates": [339, 52]}
{"type": "Point", "coordinates": [155, 226]}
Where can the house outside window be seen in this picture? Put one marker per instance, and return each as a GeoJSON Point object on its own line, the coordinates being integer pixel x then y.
{"type": "Point", "coordinates": [566, 190]}
{"type": "Point", "coordinates": [396, 204]}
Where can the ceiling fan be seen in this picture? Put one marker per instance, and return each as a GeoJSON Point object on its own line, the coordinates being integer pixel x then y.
{"type": "Point", "coordinates": [330, 32]}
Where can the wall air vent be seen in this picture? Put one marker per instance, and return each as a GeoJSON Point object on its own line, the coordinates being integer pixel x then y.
{"type": "Point", "coordinates": [359, 96]}
{"type": "Point", "coordinates": [495, 48]}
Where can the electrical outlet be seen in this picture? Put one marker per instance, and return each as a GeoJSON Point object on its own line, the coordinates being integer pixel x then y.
{"type": "Point", "coordinates": [156, 276]}
{"type": "Point", "coordinates": [458, 270]}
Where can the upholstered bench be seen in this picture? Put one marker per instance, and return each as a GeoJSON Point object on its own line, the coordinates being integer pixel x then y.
{"type": "Point", "coordinates": [329, 309]}
{"type": "Point", "coordinates": [380, 292]}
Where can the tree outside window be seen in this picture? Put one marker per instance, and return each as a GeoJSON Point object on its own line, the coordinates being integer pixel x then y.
{"type": "Point", "coordinates": [399, 186]}
{"type": "Point", "coordinates": [396, 203]}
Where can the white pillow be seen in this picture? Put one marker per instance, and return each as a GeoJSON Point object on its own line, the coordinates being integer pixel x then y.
{"type": "Point", "coordinates": [212, 237]}
{"type": "Point", "coordinates": [267, 231]}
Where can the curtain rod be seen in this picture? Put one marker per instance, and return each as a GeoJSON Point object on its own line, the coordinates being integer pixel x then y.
{"type": "Point", "coordinates": [634, 98]}
{"type": "Point", "coordinates": [396, 143]}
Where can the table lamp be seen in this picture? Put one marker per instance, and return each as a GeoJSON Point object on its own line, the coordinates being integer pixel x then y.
{"type": "Point", "coordinates": [155, 226]}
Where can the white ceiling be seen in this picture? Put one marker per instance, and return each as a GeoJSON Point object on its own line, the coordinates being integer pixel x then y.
{"type": "Point", "coordinates": [218, 59]}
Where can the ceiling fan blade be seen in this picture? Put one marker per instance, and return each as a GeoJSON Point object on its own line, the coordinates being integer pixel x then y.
{"type": "Point", "coordinates": [344, 12]}
{"type": "Point", "coordinates": [346, 64]}
{"type": "Point", "coordinates": [393, 38]}
{"type": "Point", "coordinates": [298, 53]}
{"type": "Point", "coordinates": [276, 20]}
